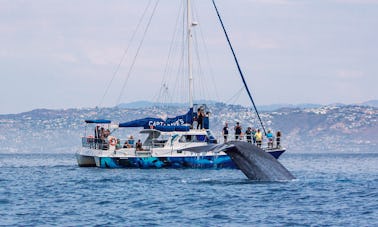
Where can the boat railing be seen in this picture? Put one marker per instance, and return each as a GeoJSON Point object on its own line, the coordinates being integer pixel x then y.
{"type": "Point", "coordinates": [95, 143]}
{"type": "Point", "coordinates": [89, 142]}
{"type": "Point", "coordinates": [266, 144]}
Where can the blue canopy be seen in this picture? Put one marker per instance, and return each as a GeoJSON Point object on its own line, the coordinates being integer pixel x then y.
{"type": "Point", "coordinates": [98, 121]}
{"type": "Point", "coordinates": [145, 122]}
{"type": "Point", "coordinates": [181, 120]}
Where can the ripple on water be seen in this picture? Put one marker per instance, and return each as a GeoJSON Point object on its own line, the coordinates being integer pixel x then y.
{"type": "Point", "coordinates": [329, 190]}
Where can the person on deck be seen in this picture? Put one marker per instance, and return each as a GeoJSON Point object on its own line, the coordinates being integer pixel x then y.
{"type": "Point", "coordinates": [254, 135]}
{"type": "Point", "coordinates": [238, 130]}
{"type": "Point", "coordinates": [259, 138]}
{"type": "Point", "coordinates": [138, 146]}
{"type": "Point", "coordinates": [102, 144]}
{"type": "Point", "coordinates": [131, 141]}
{"type": "Point", "coordinates": [248, 134]}
{"type": "Point", "coordinates": [278, 139]}
{"type": "Point", "coordinates": [200, 116]}
{"type": "Point", "coordinates": [126, 144]}
{"type": "Point", "coordinates": [118, 145]}
{"type": "Point", "coordinates": [269, 136]}
{"type": "Point", "coordinates": [97, 136]}
{"type": "Point", "coordinates": [225, 132]}
{"type": "Point", "coordinates": [107, 133]}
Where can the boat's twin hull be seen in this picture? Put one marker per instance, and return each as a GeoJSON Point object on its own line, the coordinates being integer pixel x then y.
{"type": "Point", "coordinates": [202, 162]}
{"type": "Point", "coordinates": [223, 161]}
{"type": "Point", "coordinates": [85, 161]}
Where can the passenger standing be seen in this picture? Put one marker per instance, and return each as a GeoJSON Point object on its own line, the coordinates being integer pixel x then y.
{"type": "Point", "coordinates": [97, 136]}
{"type": "Point", "coordinates": [102, 138]}
{"type": "Point", "coordinates": [278, 139]}
{"type": "Point", "coordinates": [118, 145]}
{"type": "Point", "coordinates": [107, 133]}
{"type": "Point", "coordinates": [259, 138]}
{"type": "Point", "coordinates": [254, 135]}
{"type": "Point", "coordinates": [269, 136]}
{"type": "Point", "coordinates": [238, 130]}
{"type": "Point", "coordinates": [248, 134]}
{"type": "Point", "coordinates": [200, 115]}
{"type": "Point", "coordinates": [225, 132]}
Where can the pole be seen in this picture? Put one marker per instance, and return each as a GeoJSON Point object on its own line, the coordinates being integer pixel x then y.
{"type": "Point", "coordinates": [190, 74]}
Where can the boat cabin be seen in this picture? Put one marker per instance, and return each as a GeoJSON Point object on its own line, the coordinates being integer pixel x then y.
{"type": "Point", "coordinates": [155, 137]}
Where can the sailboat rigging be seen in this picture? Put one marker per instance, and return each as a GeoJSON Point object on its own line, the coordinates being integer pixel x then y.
{"type": "Point", "coordinates": [238, 66]}
{"type": "Point", "coordinates": [168, 141]}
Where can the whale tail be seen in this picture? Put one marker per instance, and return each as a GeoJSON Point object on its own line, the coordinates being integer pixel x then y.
{"type": "Point", "coordinates": [254, 162]}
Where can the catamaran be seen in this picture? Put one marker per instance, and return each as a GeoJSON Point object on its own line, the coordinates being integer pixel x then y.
{"type": "Point", "coordinates": [167, 141]}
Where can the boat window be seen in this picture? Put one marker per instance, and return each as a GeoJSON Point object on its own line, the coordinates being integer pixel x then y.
{"type": "Point", "coordinates": [201, 138]}
{"type": "Point", "coordinates": [193, 138]}
{"type": "Point", "coordinates": [184, 139]}
{"type": "Point", "coordinates": [188, 137]}
{"type": "Point", "coordinates": [158, 143]}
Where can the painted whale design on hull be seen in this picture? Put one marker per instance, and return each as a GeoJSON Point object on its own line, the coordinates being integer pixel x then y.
{"type": "Point", "coordinates": [254, 162]}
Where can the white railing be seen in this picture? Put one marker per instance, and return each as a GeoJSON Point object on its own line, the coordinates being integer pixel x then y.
{"type": "Point", "coordinates": [266, 144]}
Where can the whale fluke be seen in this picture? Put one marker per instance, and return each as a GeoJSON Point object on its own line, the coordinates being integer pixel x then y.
{"type": "Point", "coordinates": [254, 162]}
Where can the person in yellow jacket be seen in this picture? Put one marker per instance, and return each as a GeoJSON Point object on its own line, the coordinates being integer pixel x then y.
{"type": "Point", "coordinates": [259, 138]}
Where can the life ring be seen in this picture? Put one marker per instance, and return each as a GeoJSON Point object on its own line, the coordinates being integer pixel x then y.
{"type": "Point", "coordinates": [112, 141]}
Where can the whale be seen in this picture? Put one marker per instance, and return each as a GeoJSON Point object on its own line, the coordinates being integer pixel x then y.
{"type": "Point", "coordinates": [253, 161]}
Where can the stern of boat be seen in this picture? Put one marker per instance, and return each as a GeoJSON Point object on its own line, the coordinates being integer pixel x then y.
{"type": "Point", "coordinates": [84, 160]}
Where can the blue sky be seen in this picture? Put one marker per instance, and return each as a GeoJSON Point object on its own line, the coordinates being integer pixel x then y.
{"type": "Point", "coordinates": [63, 54]}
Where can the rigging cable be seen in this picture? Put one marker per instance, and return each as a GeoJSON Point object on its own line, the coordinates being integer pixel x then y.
{"type": "Point", "coordinates": [137, 52]}
{"type": "Point", "coordinates": [236, 96]}
{"type": "Point", "coordinates": [237, 64]}
{"type": "Point", "coordinates": [211, 71]}
{"type": "Point", "coordinates": [124, 53]}
{"type": "Point", "coordinates": [203, 80]}
{"type": "Point", "coordinates": [179, 84]}
{"type": "Point", "coordinates": [169, 62]}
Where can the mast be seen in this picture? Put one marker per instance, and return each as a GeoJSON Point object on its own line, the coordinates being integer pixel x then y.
{"type": "Point", "coordinates": [189, 34]}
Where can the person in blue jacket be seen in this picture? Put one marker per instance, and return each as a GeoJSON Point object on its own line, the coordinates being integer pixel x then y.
{"type": "Point", "coordinates": [269, 136]}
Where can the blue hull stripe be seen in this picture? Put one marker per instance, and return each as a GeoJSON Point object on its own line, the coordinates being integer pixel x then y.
{"type": "Point", "coordinates": [168, 162]}
{"type": "Point", "coordinates": [201, 162]}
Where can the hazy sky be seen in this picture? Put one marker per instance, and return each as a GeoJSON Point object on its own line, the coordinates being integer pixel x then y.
{"type": "Point", "coordinates": [64, 53]}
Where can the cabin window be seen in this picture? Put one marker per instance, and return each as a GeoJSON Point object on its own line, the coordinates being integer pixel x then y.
{"type": "Point", "coordinates": [185, 138]}
{"type": "Point", "coordinates": [201, 138]}
{"type": "Point", "coordinates": [193, 138]}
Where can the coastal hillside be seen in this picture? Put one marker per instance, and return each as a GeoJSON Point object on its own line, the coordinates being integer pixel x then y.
{"type": "Point", "coordinates": [346, 128]}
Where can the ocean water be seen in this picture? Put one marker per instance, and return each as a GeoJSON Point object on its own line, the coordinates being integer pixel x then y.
{"type": "Point", "coordinates": [51, 190]}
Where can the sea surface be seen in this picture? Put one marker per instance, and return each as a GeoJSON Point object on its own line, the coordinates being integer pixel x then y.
{"type": "Point", "coordinates": [51, 190]}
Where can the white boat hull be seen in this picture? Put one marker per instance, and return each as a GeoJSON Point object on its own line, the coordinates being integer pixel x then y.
{"type": "Point", "coordinates": [85, 161]}
{"type": "Point", "coordinates": [129, 158]}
